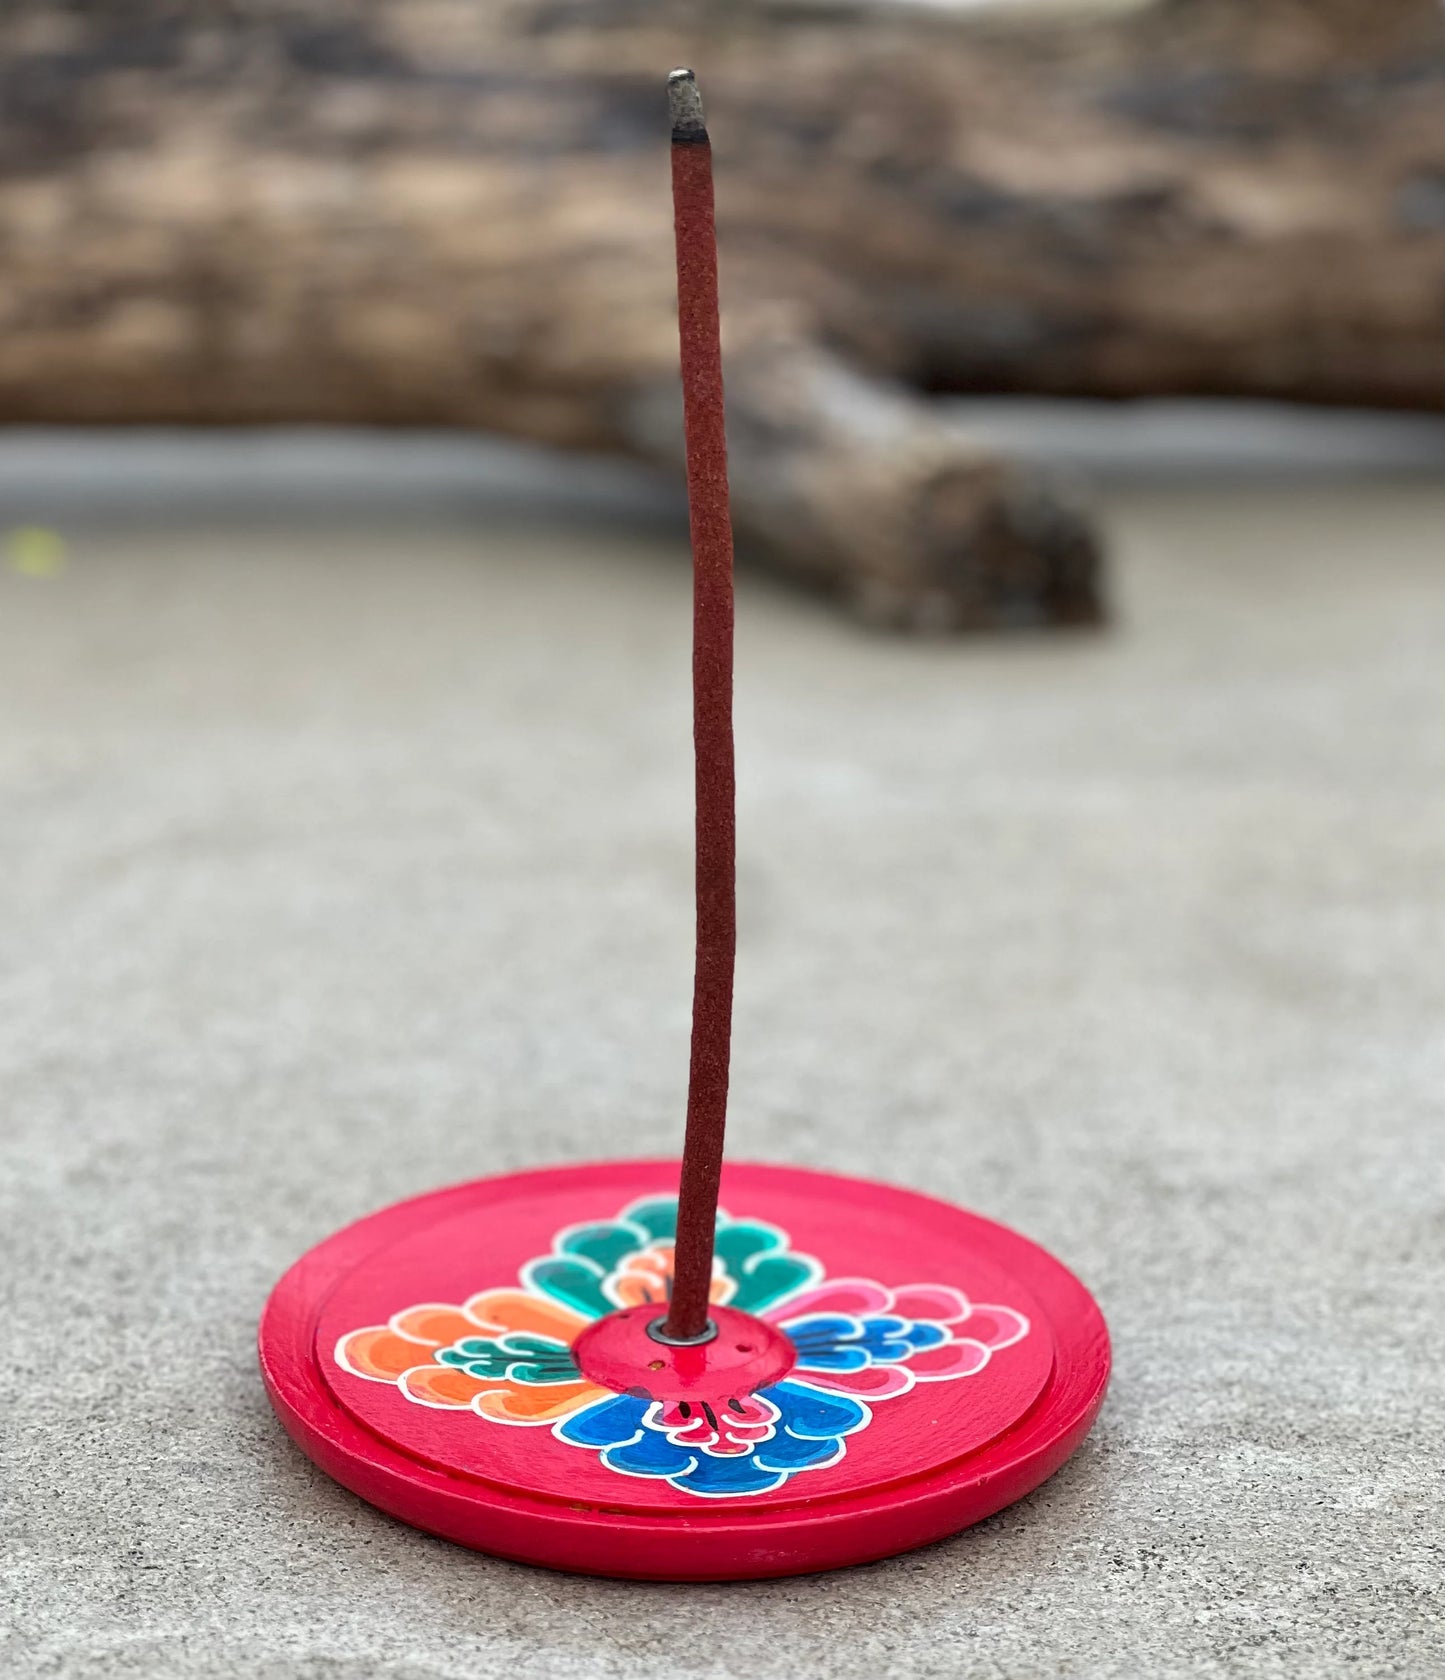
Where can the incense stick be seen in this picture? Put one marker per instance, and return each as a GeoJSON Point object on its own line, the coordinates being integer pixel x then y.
{"type": "Point", "coordinates": [712, 700]}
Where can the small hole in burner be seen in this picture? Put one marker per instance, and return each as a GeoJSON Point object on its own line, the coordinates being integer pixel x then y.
{"type": "Point", "coordinates": [745, 1347]}
{"type": "Point", "coordinates": [655, 1364]}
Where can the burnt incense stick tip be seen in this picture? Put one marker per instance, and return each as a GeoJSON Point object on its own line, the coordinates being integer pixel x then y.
{"type": "Point", "coordinates": [689, 127]}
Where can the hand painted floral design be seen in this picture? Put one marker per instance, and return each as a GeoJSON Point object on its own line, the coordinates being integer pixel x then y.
{"type": "Point", "coordinates": [506, 1354]}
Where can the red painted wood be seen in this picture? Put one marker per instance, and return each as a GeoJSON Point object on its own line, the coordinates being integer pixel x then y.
{"type": "Point", "coordinates": [746, 1354]}
{"type": "Point", "coordinates": [895, 1241]}
{"type": "Point", "coordinates": [932, 1460]}
{"type": "Point", "coordinates": [712, 690]}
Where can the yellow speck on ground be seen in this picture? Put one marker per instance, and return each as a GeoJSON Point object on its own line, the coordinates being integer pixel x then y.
{"type": "Point", "coordinates": [34, 551]}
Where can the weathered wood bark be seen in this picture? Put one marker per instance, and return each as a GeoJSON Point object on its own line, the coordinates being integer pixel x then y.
{"type": "Point", "coordinates": [429, 211]}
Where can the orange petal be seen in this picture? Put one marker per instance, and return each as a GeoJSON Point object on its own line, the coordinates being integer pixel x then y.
{"type": "Point", "coordinates": [636, 1289]}
{"type": "Point", "coordinates": [436, 1326]}
{"type": "Point", "coordinates": [440, 1385]}
{"type": "Point", "coordinates": [541, 1404]}
{"type": "Point", "coordinates": [639, 1288]}
{"type": "Point", "coordinates": [376, 1352]}
{"type": "Point", "coordinates": [515, 1309]}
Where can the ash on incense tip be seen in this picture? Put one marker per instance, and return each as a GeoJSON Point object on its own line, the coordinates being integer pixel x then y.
{"type": "Point", "coordinates": [689, 126]}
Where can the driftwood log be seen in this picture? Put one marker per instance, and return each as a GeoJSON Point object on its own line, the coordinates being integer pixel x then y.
{"type": "Point", "coordinates": [447, 212]}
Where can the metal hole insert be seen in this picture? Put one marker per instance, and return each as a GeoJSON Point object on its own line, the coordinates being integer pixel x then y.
{"type": "Point", "coordinates": [658, 1331]}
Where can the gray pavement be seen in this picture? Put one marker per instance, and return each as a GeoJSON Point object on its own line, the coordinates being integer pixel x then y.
{"type": "Point", "coordinates": [346, 853]}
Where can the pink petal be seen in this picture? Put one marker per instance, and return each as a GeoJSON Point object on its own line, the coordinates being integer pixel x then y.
{"type": "Point", "coordinates": [932, 1303]}
{"type": "Point", "coordinates": [953, 1359]}
{"type": "Point", "coordinates": [854, 1296]}
{"type": "Point", "coordinates": [995, 1327]}
{"type": "Point", "coordinates": [873, 1382]}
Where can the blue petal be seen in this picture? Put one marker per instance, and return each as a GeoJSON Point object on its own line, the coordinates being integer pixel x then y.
{"type": "Point", "coordinates": [651, 1454]}
{"type": "Point", "coordinates": [825, 1358]}
{"type": "Point", "coordinates": [828, 1342]}
{"type": "Point", "coordinates": [809, 1412]}
{"type": "Point", "coordinates": [835, 1342]}
{"type": "Point", "coordinates": [926, 1335]}
{"type": "Point", "coordinates": [885, 1325]}
{"type": "Point", "coordinates": [891, 1353]}
{"type": "Point", "coordinates": [741, 1474]}
{"type": "Point", "coordinates": [605, 1423]}
{"type": "Point", "coordinates": [895, 1338]}
{"type": "Point", "coordinates": [824, 1328]}
{"type": "Point", "coordinates": [792, 1452]}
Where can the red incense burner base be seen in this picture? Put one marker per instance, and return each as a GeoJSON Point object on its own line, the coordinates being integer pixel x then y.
{"type": "Point", "coordinates": [484, 1362]}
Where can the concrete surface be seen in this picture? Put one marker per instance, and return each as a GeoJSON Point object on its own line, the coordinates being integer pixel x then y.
{"type": "Point", "coordinates": [349, 855]}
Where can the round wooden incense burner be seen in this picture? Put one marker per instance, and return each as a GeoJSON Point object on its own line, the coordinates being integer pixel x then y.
{"type": "Point", "coordinates": [886, 1370]}
{"type": "Point", "coordinates": [607, 1368]}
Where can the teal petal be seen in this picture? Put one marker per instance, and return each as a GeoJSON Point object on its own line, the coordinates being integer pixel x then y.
{"type": "Point", "coordinates": [657, 1216]}
{"type": "Point", "coordinates": [516, 1358]}
{"type": "Point", "coordinates": [755, 1257]}
{"type": "Point", "coordinates": [739, 1243]}
{"type": "Point", "coordinates": [557, 1369]}
{"type": "Point", "coordinates": [770, 1278]}
{"type": "Point", "coordinates": [541, 1359]}
{"type": "Point", "coordinates": [575, 1283]}
{"type": "Point", "coordinates": [604, 1245]}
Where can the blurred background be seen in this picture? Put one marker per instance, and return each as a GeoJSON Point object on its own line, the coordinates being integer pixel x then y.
{"type": "Point", "coordinates": [1084, 365]}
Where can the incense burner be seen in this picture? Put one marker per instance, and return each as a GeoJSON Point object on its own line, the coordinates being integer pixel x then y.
{"type": "Point", "coordinates": [580, 1367]}
{"type": "Point", "coordinates": [794, 1366]}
